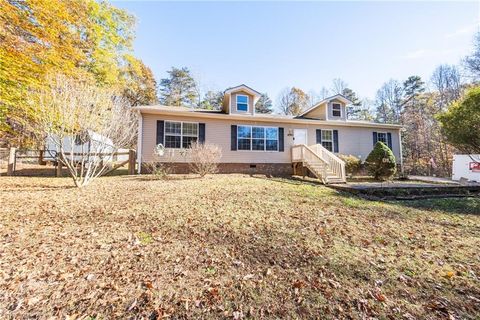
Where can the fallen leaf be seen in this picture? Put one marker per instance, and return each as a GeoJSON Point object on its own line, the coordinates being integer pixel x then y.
{"type": "Point", "coordinates": [248, 277]}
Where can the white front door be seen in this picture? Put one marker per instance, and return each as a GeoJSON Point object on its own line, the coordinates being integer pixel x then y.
{"type": "Point", "coordinates": [299, 136]}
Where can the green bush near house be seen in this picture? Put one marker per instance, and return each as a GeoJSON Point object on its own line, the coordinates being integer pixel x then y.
{"type": "Point", "coordinates": [352, 163]}
{"type": "Point", "coordinates": [381, 162]}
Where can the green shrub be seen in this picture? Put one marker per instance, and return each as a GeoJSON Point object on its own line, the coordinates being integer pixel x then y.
{"type": "Point", "coordinates": [352, 163]}
{"type": "Point", "coordinates": [381, 162]}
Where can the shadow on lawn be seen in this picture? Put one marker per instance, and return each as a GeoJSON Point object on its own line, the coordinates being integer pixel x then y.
{"type": "Point", "coordinates": [288, 179]}
{"type": "Point", "coordinates": [459, 205]}
{"type": "Point", "coordinates": [455, 205]}
{"type": "Point", "coordinates": [174, 177]}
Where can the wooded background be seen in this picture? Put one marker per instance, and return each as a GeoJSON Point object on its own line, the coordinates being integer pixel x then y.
{"type": "Point", "coordinates": [92, 41]}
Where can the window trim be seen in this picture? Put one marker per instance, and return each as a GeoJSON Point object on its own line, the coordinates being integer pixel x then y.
{"type": "Point", "coordinates": [236, 102]}
{"type": "Point", "coordinates": [264, 139]}
{"type": "Point", "coordinates": [331, 140]}
{"type": "Point", "coordinates": [340, 109]}
{"type": "Point", "coordinates": [179, 135]}
{"type": "Point", "coordinates": [386, 137]}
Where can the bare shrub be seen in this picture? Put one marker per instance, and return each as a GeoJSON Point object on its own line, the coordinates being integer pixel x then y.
{"type": "Point", "coordinates": [204, 158]}
{"type": "Point", "coordinates": [158, 170]}
{"type": "Point", "coordinates": [85, 124]}
{"type": "Point", "coordinates": [162, 164]}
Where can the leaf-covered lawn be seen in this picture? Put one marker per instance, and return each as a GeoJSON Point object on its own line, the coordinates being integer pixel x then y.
{"type": "Point", "coordinates": [232, 246]}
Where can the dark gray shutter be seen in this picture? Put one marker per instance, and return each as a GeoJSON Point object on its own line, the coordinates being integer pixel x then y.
{"type": "Point", "coordinates": [389, 140]}
{"type": "Point", "coordinates": [281, 140]}
{"type": "Point", "coordinates": [375, 138]}
{"type": "Point", "coordinates": [201, 132]}
{"type": "Point", "coordinates": [160, 128]}
{"type": "Point", "coordinates": [335, 140]}
{"type": "Point", "coordinates": [233, 138]}
{"type": "Point", "coordinates": [319, 136]}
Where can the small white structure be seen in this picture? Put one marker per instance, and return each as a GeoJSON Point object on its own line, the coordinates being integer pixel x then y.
{"type": "Point", "coordinates": [88, 143]}
{"type": "Point", "coordinates": [466, 166]}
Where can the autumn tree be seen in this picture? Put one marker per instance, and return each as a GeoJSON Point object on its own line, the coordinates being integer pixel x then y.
{"type": "Point", "coordinates": [139, 85]}
{"type": "Point", "coordinates": [413, 118]}
{"type": "Point", "coordinates": [35, 37]}
{"type": "Point", "coordinates": [293, 101]}
{"type": "Point", "coordinates": [264, 104]}
{"type": "Point", "coordinates": [80, 39]}
{"type": "Point", "coordinates": [179, 89]}
{"type": "Point", "coordinates": [212, 101]}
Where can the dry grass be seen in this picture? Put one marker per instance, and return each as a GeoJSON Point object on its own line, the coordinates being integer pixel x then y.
{"type": "Point", "coordinates": [231, 247]}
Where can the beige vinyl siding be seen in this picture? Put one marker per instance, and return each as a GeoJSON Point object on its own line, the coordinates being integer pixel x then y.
{"type": "Point", "coordinates": [357, 141]}
{"type": "Point", "coordinates": [233, 103]}
{"type": "Point", "coordinates": [226, 103]}
{"type": "Point", "coordinates": [317, 113]}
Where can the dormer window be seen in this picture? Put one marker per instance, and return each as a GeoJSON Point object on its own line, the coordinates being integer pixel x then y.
{"type": "Point", "coordinates": [242, 103]}
{"type": "Point", "coordinates": [336, 110]}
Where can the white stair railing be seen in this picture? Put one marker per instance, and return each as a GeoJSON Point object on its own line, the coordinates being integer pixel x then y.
{"type": "Point", "coordinates": [336, 165]}
{"type": "Point", "coordinates": [331, 167]}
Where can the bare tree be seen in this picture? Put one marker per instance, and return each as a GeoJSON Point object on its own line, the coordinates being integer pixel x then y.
{"type": "Point", "coordinates": [85, 123]}
{"type": "Point", "coordinates": [338, 86]}
{"type": "Point", "coordinates": [324, 93]}
{"type": "Point", "coordinates": [285, 100]}
{"type": "Point", "coordinates": [389, 102]}
{"type": "Point", "coordinates": [313, 97]}
{"type": "Point", "coordinates": [293, 101]}
{"type": "Point", "coordinates": [447, 81]}
{"type": "Point", "coordinates": [472, 62]}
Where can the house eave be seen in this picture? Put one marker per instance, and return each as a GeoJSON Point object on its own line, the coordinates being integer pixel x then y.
{"type": "Point", "coordinates": [243, 87]}
{"type": "Point", "coordinates": [326, 100]}
{"type": "Point", "coordinates": [259, 118]}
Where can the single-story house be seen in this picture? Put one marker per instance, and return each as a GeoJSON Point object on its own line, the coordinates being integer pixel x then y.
{"type": "Point", "coordinates": [264, 143]}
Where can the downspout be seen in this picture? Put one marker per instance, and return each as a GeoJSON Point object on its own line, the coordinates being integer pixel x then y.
{"type": "Point", "coordinates": [401, 151]}
{"type": "Point", "coordinates": [139, 142]}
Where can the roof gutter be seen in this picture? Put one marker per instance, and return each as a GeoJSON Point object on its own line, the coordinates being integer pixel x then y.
{"type": "Point", "coordinates": [153, 110]}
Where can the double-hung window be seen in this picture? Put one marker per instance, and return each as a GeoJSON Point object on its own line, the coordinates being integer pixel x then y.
{"type": "Point", "coordinates": [180, 134]}
{"type": "Point", "coordinates": [336, 110]}
{"type": "Point", "coordinates": [382, 136]}
{"type": "Point", "coordinates": [327, 140]}
{"type": "Point", "coordinates": [257, 138]}
{"type": "Point", "coordinates": [242, 103]}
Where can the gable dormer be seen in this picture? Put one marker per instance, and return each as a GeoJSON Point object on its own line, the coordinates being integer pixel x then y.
{"type": "Point", "coordinates": [331, 108]}
{"type": "Point", "coordinates": [240, 100]}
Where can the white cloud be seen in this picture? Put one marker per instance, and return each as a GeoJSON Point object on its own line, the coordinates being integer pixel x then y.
{"type": "Point", "coordinates": [467, 30]}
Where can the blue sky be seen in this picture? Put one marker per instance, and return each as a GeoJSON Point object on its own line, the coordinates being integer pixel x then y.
{"type": "Point", "coordinates": [270, 46]}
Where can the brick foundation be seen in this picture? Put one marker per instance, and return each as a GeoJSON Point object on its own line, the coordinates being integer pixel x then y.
{"type": "Point", "coordinates": [274, 169]}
